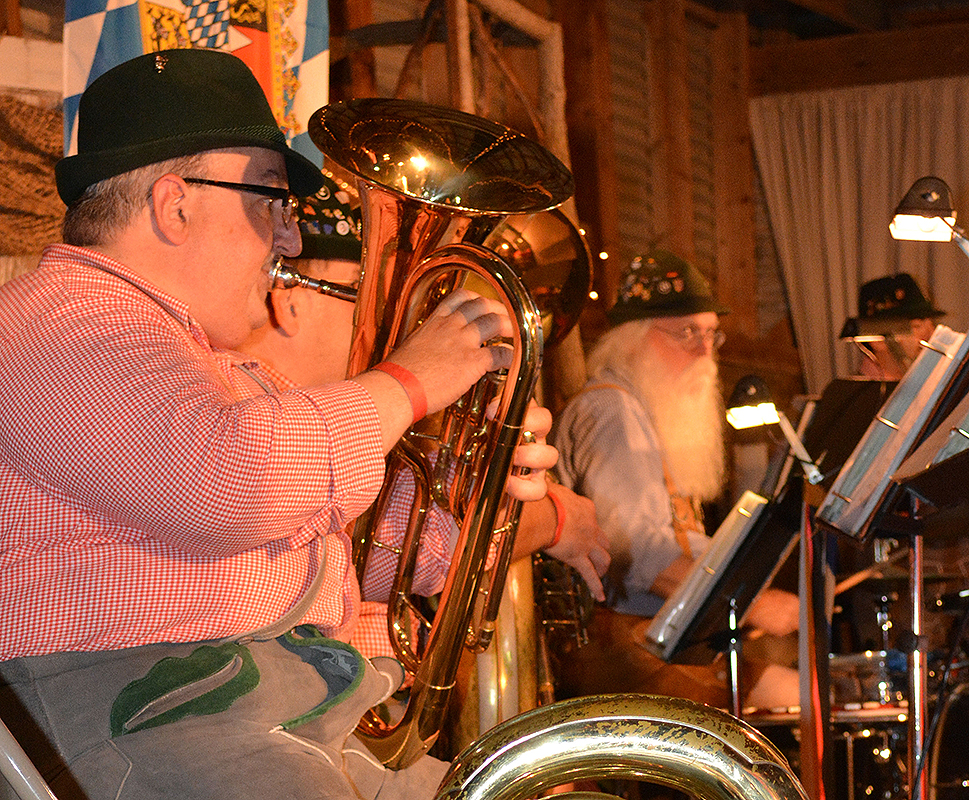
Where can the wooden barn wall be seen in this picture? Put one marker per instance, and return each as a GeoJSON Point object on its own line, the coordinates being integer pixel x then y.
{"type": "Point", "coordinates": [633, 131]}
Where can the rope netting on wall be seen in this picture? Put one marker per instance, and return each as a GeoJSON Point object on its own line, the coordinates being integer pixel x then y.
{"type": "Point", "coordinates": [31, 142]}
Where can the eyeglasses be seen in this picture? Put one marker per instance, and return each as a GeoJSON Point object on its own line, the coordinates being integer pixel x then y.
{"type": "Point", "coordinates": [691, 337]}
{"type": "Point", "coordinates": [288, 202]}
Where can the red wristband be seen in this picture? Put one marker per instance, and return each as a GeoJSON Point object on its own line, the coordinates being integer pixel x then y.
{"type": "Point", "coordinates": [410, 384]}
{"type": "Point", "coordinates": [559, 519]}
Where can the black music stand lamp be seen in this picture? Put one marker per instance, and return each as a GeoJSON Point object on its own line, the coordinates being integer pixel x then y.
{"type": "Point", "coordinates": [813, 674]}
{"type": "Point", "coordinates": [750, 405]}
{"type": "Point", "coordinates": [745, 554]}
{"type": "Point", "coordinates": [926, 215]}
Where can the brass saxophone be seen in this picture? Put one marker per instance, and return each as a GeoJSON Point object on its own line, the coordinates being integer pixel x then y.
{"type": "Point", "coordinates": [433, 184]}
{"type": "Point", "coordinates": [685, 745]}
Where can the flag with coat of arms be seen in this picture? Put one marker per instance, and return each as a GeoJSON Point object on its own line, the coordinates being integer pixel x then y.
{"type": "Point", "coordinates": [284, 42]}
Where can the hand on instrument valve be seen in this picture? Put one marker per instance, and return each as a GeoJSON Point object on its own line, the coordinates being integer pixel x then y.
{"type": "Point", "coordinates": [532, 456]}
{"type": "Point", "coordinates": [438, 362]}
{"type": "Point", "coordinates": [563, 525]}
{"type": "Point", "coordinates": [447, 353]}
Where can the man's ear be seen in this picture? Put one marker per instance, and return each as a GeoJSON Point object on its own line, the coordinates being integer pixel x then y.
{"type": "Point", "coordinates": [284, 311]}
{"type": "Point", "coordinates": [170, 211]}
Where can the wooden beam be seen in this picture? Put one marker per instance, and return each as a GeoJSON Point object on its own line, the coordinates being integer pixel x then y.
{"type": "Point", "coordinates": [10, 23]}
{"type": "Point", "coordinates": [356, 76]}
{"type": "Point", "coordinates": [886, 57]}
{"type": "Point", "coordinates": [588, 111]}
{"type": "Point", "coordinates": [858, 15]}
{"type": "Point", "coordinates": [734, 177]}
{"type": "Point", "coordinates": [667, 27]}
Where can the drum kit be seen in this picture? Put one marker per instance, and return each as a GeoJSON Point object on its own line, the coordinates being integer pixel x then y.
{"type": "Point", "coordinates": [869, 706]}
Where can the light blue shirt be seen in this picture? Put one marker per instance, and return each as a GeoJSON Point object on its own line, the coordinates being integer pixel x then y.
{"type": "Point", "coordinates": [609, 451]}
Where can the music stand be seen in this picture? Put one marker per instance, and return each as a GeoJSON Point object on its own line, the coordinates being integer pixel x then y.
{"type": "Point", "coordinates": [750, 546]}
{"type": "Point", "coordinates": [703, 616]}
{"type": "Point", "coordinates": [933, 474]}
{"type": "Point", "coordinates": [862, 493]}
{"type": "Point", "coordinates": [864, 498]}
{"type": "Point", "coordinates": [935, 470]}
{"type": "Point", "coordinates": [693, 626]}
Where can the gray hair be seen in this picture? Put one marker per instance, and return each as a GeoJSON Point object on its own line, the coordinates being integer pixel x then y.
{"type": "Point", "coordinates": [107, 207]}
{"type": "Point", "coordinates": [617, 347]}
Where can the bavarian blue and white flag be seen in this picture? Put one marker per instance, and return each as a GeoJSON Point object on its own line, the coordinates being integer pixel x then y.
{"type": "Point", "coordinates": [284, 42]}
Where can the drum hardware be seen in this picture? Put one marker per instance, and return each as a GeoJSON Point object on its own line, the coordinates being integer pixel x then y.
{"type": "Point", "coordinates": [931, 743]}
{"type": "Point", "coordinates": [952, 601]}
{"type": "Point", "coordinates": [881, 746]}
{"type": "Point", "coordinates": [875, 570]}
{"type": "Point", "coordinates": [868, 748]}
{"type": "Point", "coordinates": [948, 765]}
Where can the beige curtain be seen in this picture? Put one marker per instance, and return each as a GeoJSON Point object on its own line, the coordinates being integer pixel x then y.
{"type": "Point", "coordinates": [834, 165]}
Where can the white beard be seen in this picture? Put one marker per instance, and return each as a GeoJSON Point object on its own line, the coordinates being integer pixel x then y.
{"type": "Point", "coordinates": [688, 412]}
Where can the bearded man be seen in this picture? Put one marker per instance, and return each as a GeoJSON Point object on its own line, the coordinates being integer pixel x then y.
{"type": "Point", "coordinates": [644, 441]}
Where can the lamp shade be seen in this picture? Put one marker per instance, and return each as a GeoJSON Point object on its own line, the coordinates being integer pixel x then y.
{"type": "Point", "coordinates": [925, 213]}
{"type": "Point", "coordinates": [750, 404]}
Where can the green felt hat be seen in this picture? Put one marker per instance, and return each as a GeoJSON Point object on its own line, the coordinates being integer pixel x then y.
{"type": "Point", "coordinates": [660, 284]}
{"type": "Point", "coordinates": [169, 104]}
{"type": "Point", "coordinates": [886, 304]}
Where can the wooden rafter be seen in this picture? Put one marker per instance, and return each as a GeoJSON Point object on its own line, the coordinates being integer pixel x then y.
{"type": "Point", "coordinates": [857, 15]}
{"type": "Point", "coordinates": [10, 23]}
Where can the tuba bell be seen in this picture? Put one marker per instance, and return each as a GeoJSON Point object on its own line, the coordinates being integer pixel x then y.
{"type": "Point", "coordinates": [684, 745]}
{"type": "Point", "coordinates": [433, 184]}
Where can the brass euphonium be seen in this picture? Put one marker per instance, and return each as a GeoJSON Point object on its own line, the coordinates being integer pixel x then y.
{"type": "Point", "coordinates": [433, 183]}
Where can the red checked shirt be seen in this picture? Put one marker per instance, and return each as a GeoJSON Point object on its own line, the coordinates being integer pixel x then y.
{"type": "Point", "coordinates": [151, 490]}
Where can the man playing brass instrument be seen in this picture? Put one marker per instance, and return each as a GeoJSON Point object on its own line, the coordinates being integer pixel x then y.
{"type": "Point", "coordinates": [307, 342]}
{"type": "Point", "coordinates": [644, 441]}
{"type": "Point", "coordinates": [177, 590]}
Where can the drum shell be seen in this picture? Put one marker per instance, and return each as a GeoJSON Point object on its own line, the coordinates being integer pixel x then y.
{"type": "Point", "coordinates": [948, 763]}
{"type": "Point", "coordinates": [871, 678]}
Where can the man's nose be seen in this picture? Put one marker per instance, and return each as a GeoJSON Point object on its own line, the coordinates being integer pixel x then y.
{"type": "Point", "coordinates": [287, 239]}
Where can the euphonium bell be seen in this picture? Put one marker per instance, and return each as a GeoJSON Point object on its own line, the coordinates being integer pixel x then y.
{"type": "Point", "coordinates": [434, 183]}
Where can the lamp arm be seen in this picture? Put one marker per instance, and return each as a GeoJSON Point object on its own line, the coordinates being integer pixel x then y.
{"type": "Point", "coordinates": [813, 474]}
{"type": "Point", "coordinates": [959, 237]}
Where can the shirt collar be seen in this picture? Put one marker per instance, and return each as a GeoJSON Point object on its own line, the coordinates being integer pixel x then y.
{"type": "Point", "coordinates": [92, 258]}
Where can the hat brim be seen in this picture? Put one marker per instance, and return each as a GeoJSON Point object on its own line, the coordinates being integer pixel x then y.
{"type": "Point", "coordinates": [887, 324]}
{"type": "Point", "coordinates": [75, 173]}
{"type": "Point", "coordinates": [629, 311]}
{"type": "Point", "coordinates": [341, 248]}
{"type": "Point", "coordinates": [878, 326]}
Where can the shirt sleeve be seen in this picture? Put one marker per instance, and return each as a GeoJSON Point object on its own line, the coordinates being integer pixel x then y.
{"type": "Point", "coordinates": [121, 412]}
{"type": "Point", "coordinates": [438, 537]}
{"type": "Point", "coordinates": [609, 453]}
